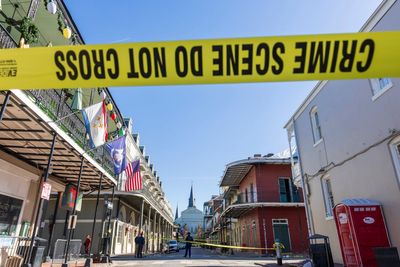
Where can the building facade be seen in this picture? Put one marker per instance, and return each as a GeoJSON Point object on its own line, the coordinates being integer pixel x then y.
{"type": "Point", "coordinates": [191, 219]}
{"type": "Point", "coordinates": [261, 205]}
{"type": "Point", "coordinates": [346, 141]}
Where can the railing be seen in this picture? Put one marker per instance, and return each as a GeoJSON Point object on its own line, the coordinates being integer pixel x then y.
{"type": "Point", "coordinates": [6, 41]}
{"type": "Point", "coordinates": [13, 250]}
{"type": "Point", "coordinates": [53, 103]}
{"type": "Point", "coordinates": [256, 197]}
{"type": "Point", "coordinates": [146, 192]}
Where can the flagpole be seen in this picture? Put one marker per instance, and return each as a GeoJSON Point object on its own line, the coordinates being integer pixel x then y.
{"type": "Point", "coordinates": [84, 152]}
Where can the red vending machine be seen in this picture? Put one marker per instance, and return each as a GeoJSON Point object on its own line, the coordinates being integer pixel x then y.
{"type": "Point", "coordinates": [361, 227]}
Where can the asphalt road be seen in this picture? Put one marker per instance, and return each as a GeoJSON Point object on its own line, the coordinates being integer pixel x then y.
{"type": "Point", "coordinates": [200, 257]}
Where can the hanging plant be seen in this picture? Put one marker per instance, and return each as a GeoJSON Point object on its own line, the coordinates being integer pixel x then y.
{"type": "Point", "coordinates": [29, 31]}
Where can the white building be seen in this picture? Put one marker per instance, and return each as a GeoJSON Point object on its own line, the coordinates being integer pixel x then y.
{"type": "Point", "coordinates": [191, 218]}
{"type": "Point", "coordinates": [347, 137]}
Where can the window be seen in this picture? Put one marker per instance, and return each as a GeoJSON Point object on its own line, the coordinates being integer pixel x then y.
{"type": "Point", "coordinates": [10, 209]}
{"type": "Point", "coordinates": [315, 124]}
{"type": "Point", "coordinates": [395, 147]}
{"type": "Point", "coordinates": [328, 197]}
{"type": "Point", "coordinates": [284, 190]}
{"type": "Point", "coordinates": [379, 86]}
{"type": "Point", "coordinates": [246, 196]}
{"type": "Point", "coordinates": [251, 193]}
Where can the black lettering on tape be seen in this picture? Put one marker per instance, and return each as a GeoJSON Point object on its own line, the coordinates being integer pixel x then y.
{"type": "Point", "coordinates": [133, 73]}
{"type": "Point", "coordinates": [371, 47]}
{"type": "Point", "coordinates": [99, 69]}
{"type": "Point", "coordinates": [218, 61]}
{"type": "Point", "coordinates": [84, 64]}
{"type": "Point", "coordinates": [346, 64]}
{"type": "Point", "coordinates": [263, 48]}
{"type": "Point", "coordinates": [334, 56]}
{"type": "Point", "coordinates": [300, 58]}
{"type": "Point", "coordinates": [196, 60]}
{"type": "Point", "coordinates": [145, 61]}
{"type": "Point", "coordinates": [278, 68]}
{"type": "Point", "coordinates": [159, 62]}
{"type": "Point", "coordinates": [232, 61]}
{"type": "Point", "coordinates": [319, 55]}
{"type": "Point", "coordinates": [112, 53]}
{"type": "Point", "coordinates": [181, 66]}
{"type": "Point", "coordinates": [71, 57]}
{"type": "Point", "coordinates": [248, 60]}
{"type": "Point", "coordinates": [58, 57]}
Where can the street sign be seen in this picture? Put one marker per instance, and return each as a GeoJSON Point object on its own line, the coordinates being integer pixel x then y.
{"type": "Point", "coordinates": [72, 221]}
{"type": "Point", "coordinates": [46, 191]}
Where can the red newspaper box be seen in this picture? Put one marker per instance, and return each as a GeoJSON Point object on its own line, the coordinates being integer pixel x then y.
{"type": "Point", "coordinates": [361, 227]}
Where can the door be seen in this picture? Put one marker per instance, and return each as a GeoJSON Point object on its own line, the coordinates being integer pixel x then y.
{"type": "Point", "coordinates": [281, 232]}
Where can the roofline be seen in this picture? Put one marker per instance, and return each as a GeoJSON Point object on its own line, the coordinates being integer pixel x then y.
{"type": "Point", "coordinates": [371, 22]}
{"type": "Point", "coordinates": [264, 160]}
{"type": "Point", "coordinates": [254, 161]}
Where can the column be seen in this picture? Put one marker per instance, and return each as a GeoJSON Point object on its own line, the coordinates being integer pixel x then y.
{"type": "Point", "coordinates": [141, 217]}
{"type": "Point", "coordinates": [159, 248]}
{"type": "Point", "coordinates": [154, 232]}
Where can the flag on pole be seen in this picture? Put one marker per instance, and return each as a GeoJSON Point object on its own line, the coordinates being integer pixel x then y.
{"type": "Point", "coordinates": [117, 149]}
{"type": "Point", "coordinates": [95, 118]}
{"type": "Point", "coordinates": [133, 176]}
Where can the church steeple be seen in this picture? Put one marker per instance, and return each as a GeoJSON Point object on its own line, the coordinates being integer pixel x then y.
{"type": "Point", "coordinates": [191, 201]}
{"type": "Point", "coordinates": [176, 212]}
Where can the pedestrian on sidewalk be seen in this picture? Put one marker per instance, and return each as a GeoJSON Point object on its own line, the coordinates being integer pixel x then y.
{"type": "Point", "coordinates": [139, 241]}
{"type": "Point", "coordinates": [87, 243]}
{"type": "Point", "coordinates": [188, 247]}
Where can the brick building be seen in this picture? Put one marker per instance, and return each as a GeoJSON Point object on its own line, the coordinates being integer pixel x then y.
{"type": "Point", "coordinates": [262, 204]}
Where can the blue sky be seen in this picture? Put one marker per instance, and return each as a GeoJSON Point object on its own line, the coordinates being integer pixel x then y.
{"type": "Point", "coordinates": [192, 132]}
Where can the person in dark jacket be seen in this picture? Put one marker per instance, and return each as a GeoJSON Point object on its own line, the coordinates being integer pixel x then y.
{"type": "Point", "coordinates": [139, 241]}
{"type": "Point", "coordinates": [188, 247]}
{"type": "Point", "coordinates": [87, 244]}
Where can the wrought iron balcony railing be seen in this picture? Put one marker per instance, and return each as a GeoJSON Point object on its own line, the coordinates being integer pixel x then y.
{"type": "Point", "coordinates": [53, 103]}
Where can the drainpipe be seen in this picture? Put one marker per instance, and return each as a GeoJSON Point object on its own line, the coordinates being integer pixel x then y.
{"type": "Point", "coordinates": [310, 222]}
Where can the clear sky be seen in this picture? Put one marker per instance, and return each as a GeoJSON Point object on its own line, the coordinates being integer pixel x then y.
{"type": "Point", "coordinates": [192, 132]}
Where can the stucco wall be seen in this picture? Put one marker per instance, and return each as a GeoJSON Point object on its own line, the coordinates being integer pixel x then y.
{"type": "Point", "coordinates": [351, 121]}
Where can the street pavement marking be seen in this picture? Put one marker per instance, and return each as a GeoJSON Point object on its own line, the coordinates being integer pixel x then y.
{"type": "Point", "coordinates": [158, 262]}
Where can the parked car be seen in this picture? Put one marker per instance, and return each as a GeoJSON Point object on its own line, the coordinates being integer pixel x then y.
{"type": "Point", "coordinates": [173, 246]}
{"type": "Point", "coordinates": [181, 245]}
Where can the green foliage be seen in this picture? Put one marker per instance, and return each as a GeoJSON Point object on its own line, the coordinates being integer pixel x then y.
{"type": "Point", "coordinates": [29, 31]}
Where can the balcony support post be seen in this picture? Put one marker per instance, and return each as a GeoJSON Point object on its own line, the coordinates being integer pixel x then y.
{"type": "Point", "coordinates": [141, 217]}
{"type": "Point", "coordinates": [53, 225]}
{"type": "Point", "coordinates": [39, 212]}
{"type": "Point", "coordinates": [65, 264]}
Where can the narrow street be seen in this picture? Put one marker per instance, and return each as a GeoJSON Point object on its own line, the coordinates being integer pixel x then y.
{"type": "Point", "coordinates": [200, 257]}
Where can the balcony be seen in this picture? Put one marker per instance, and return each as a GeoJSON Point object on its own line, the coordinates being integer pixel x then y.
{"type": "Point", "coordinates": [27, 131]}
{"type": "Point", "coordinates": [242, 203]}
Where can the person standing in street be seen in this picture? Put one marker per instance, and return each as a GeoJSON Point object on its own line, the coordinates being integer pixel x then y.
{"type": "Point", "coordinates": [139, 241]}
{"type": "Point", "coordinates": [188, 247]}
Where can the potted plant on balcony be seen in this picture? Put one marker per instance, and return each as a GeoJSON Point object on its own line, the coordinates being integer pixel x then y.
{"type": "Point", "coordinates": [29, 31]}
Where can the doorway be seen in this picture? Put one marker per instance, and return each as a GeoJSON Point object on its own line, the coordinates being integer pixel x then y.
{"type": "Point", "coordinates": [281, 232]}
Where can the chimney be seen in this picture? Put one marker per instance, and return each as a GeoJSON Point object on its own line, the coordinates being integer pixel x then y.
{"type": "Point", "coordinates": [257, 155]}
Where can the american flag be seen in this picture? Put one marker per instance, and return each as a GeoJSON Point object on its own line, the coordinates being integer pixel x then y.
{"type": "Point", "coordinates": [133, 176]}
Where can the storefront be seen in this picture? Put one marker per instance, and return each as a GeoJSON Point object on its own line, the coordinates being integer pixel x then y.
{"type": "Point", "coordinates": [18, 192]}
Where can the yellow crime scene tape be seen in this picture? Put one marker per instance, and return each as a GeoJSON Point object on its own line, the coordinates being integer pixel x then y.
{"type": "Point", "coordinates": [241, 60]}
{"type": "Point", "coordinates": [221, 245]}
